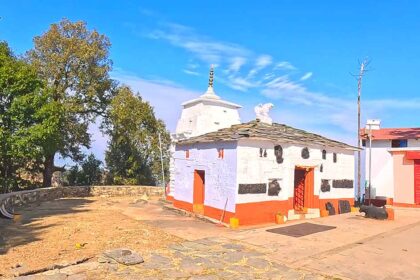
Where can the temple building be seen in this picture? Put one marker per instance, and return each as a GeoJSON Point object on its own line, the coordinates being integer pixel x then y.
{"type": "Point", "coordinates": [395, 164]}
{"type": "Point", "coordinates": [222, 168]}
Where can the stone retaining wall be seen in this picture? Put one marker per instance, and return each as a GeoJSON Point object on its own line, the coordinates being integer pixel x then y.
{"type": "Point", "coordinates": [44, 194]}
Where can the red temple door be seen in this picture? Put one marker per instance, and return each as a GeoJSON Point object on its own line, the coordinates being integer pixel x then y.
{"type": "Point", "coordinates": [198, 192]}
{"type": "Point", "coordinates": [299, 192]}
{"type": "Point", "coordinates": [417, 181]}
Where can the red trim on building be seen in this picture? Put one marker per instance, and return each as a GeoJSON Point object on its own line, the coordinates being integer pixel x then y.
{"type": "Point", "coordinates": [408, 205]}
{"type": "Point", "coordinates": [392, 133]}
{"type": "Point", "coordinates": [255, 213]}
{"type": "Point", "coordinates": [263, 212]}
{"type": "Point", "coordinates": [412, 155]}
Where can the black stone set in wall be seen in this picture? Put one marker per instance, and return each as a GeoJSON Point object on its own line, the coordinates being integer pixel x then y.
{"type": "Point", "coordinates": [273, 188]}
{"type": "Point", "coordinates": [252, 188]}
{"type": "Point", "coordinates": [338, 184]}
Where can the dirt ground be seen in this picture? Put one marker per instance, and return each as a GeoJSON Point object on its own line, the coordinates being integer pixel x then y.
{"type": "Point", "coordinates": [66, 230]}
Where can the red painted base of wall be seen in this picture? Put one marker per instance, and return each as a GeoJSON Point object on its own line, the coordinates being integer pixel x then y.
{"type": "Point", "coordinates": [170, 198]}
{"type": "Point", "coordinates": [217, 214]}
{"type": "Point", "coordinates": [255, 213]}
{"type": "Point", "coordinates": [408, 205]}
{"type": "Point", "coordinates": [183, 205]}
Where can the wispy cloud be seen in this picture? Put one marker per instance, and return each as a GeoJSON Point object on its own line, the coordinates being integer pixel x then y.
{"type": "Point", "coordinates": [285, 65]}
{"type": "Point", "coordinates": [306, 76]}
{"type": "Point", "coordinates": [206, 49]}
{"type": "Point", "coordinates": [240, 68]}
{"type": "Point", "coordinates": [261, 62]}
{"type": "Point", "coordinates": [190, 72]}
{"type": "Point", "coordinates": [236, 63]}
{"type": "Point", "coordinates": [280, 81]}
{"type": "Point", "coordinates": [157, 92]}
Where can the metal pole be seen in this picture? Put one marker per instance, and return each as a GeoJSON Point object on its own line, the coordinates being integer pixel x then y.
{"type": "Point", "coordinates": [161, 162]}
{"type": "Point", "coordinates": [359, 90]}
{"type": "Point", "coordinates": [370, 162]}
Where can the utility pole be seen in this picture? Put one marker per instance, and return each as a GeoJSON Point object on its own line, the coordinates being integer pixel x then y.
{"type": "Point", "coordinates": [359, 139]}
{"type": "Point", "coordinates": [161, 162]}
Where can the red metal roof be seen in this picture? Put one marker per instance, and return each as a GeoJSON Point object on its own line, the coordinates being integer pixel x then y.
{"type": "Point", "coordinates": [412, 155]}
{"type": "Point", "coordinates": [393, 133]}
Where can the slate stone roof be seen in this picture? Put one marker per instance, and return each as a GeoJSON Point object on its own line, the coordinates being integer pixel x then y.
{"type": "Point", "coordinates": [261, 131]}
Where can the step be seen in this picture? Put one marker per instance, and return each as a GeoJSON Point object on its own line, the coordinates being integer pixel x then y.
{"type": "Point", "coordinates": [311, 213]}
{"type": "Point", "coordinates": [292, 215]}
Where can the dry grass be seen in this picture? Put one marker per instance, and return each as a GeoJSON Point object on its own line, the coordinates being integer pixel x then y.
{"type": "Point", "coordinates": [48, 233]}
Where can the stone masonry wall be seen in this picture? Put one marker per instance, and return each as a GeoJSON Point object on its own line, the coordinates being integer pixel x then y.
{"type": "Point", "coordinates": [44, 194]}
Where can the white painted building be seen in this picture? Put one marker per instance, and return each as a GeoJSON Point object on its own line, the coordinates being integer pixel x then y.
{"type": "Point", "coordinates": [252, 171]}
{"type": "Point", "coordinates": [395, 155]}
{"type": "Point", "coordinates": [235, 170]}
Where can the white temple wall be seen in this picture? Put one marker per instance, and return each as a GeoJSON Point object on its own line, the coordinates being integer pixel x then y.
{"type": "Point", "coordinates": [253, 169]}
{"type": "Point", "coordinates": [220, 173]}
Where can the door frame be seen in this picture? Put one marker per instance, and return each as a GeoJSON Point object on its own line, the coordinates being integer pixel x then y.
{"type": "Point", "coordinates": [309, 195]}
{"type": "Point", "coordinates": [199, 190]}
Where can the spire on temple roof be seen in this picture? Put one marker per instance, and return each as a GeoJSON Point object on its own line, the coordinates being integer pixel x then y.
{"type": "Point", "coordinates": [210, 91]}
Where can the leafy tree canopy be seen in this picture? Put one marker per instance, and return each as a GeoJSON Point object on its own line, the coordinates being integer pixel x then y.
{"type": "Point", "coordinates": [133, 155]}
{"type": "Point", "coordinates": [90, 173]}
{"type": "Point", "coordinates": [21, 102]}
{"type": "Point", "coordinates": [73, 62]}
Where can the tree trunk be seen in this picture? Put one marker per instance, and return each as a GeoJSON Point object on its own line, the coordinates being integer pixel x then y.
{"type": "Point", "coordinates": [48, 170]}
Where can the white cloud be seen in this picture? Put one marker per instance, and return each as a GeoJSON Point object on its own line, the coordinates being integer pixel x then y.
{"type": "Point", "coordinates": [244, 70]}
{"type": "Point", "coordinates": [285, 65]}
{"type": "Point", "coordinates": [190, 72]}
{"type": "Point", "coordinates": [261, 62]}
{"type": "Point", "coordinates": [306, 76]}
{"type": "Point", "coordinates": [236, 63]}
{"type": "Point", "coordinates": [165, 96]}
{"type": "Point", "coordinates": [206, 49]}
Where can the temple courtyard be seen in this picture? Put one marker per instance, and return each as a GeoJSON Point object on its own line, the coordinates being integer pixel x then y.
{"type": "Point", "coordinates": [144, 238]}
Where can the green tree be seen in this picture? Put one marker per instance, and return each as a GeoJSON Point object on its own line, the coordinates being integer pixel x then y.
{"type": "Point", "coordinates": [133, 154]}
{"type": "Point", "coordinates": [74, 65]}
{"type": "Point", "coordinates": [21, 100]}
{"type": "Point", "coordinates": [89, 174]}
{"type": "Point", "coordinates": [91, 171]}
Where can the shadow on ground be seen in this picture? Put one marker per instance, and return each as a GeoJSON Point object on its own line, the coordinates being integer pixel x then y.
{"type": "Point", "coordinates": [27, 229]}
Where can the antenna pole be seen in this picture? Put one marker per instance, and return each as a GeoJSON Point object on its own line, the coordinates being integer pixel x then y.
{"type": "Point", "coordinates": [359, 140]}
{"type": "Point", "coordinates": [161, 162]}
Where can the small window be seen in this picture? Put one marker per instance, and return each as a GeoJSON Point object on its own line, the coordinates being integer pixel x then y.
{"type": "Point", "coordinates": [187, 154]}
{"type": "Point", "coordinates": [399, 143]}
{"type": "Point", "coordinates": [324, 154]}
{"type": "Point", "coordinates": [334, 157]}
{"type": "Point", "coordinates": [364, 143]}
{"type": "Point", "coordinates": [221, 153]}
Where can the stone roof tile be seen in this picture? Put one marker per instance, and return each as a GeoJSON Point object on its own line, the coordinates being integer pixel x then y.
{"type": "Point", "coordinates": [258, 130]}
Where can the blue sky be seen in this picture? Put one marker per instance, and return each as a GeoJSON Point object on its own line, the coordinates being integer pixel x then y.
{"type": "Point", "coordinates": [298, 55]}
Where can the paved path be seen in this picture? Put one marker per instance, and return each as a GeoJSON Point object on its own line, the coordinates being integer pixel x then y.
{"type": "Point", "coordinates": [358, 248]}
{"type": "Point", "coordinates": [203, 259]}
